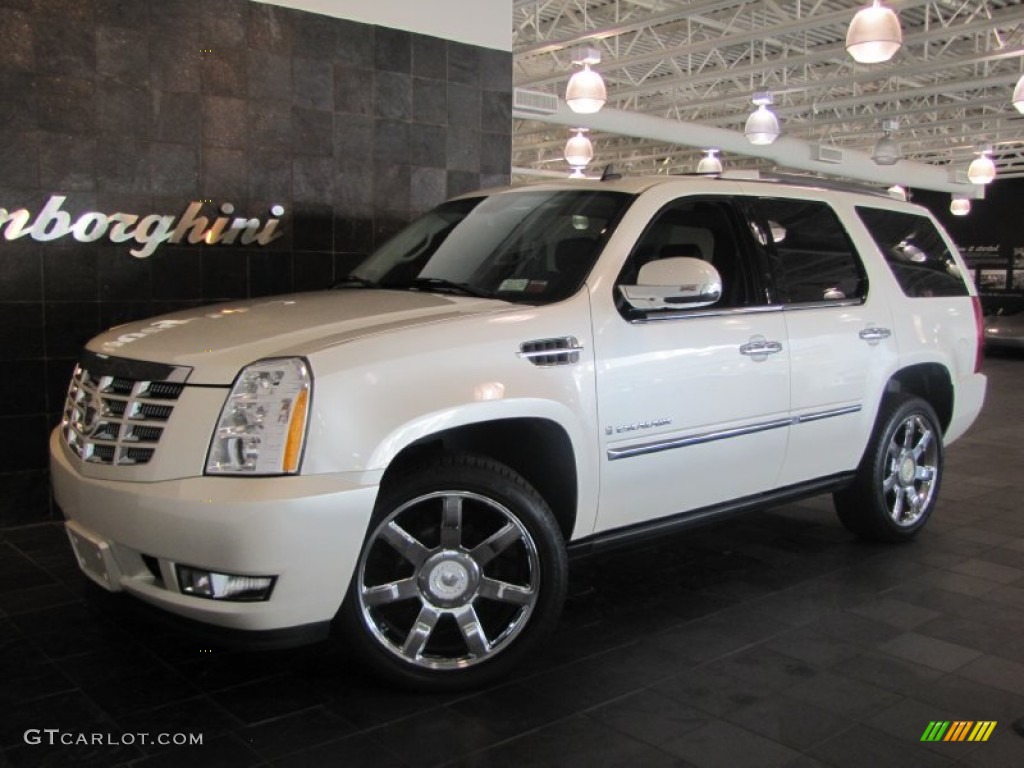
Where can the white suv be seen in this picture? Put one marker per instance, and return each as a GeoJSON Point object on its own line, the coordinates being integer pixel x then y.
{"type": "Point", "coordinates": [517, 375]}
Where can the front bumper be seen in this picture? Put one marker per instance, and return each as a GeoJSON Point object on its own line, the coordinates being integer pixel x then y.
{"type": "Point", "coordinates": [305, 530]}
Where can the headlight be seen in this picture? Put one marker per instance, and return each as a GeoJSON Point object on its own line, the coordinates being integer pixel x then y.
{"type": "Point", "coordinates": [262, 425]}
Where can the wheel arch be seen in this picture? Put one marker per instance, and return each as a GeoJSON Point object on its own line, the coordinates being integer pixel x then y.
{"type": "Point", "coordinates": [537, 448]}
{"type": "Point", "coordinates": [929, 381]}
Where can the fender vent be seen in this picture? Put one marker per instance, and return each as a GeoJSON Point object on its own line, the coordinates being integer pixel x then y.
{"type": "Point", "coordinates": [547, 352]}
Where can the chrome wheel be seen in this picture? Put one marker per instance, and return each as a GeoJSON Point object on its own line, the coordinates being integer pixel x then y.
{"type": "Point", "coordinates": [911, 468]}
{"type": "Point", "coordinates": [897, 483]}
{"type": "Point", "coordinates": [448, 580]}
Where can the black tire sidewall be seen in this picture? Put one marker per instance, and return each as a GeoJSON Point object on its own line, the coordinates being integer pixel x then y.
{"type": "Point", "coordinates": [489, 479]}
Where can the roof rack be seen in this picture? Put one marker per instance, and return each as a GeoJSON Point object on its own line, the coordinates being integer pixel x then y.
{"type": "Point", "coordinates": [818, 182]}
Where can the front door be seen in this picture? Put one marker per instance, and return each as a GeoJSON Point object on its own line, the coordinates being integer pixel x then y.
{"type": "Point", "coordinates": [693, 405]}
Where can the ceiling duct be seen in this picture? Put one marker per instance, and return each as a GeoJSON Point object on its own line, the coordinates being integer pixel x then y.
{"type": "Point", "coordinates": [825, 153]}
{"type": "Point", "coordinates": [537, 102]}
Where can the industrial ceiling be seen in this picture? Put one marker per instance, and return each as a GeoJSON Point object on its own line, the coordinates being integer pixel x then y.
{"type": "Point", "coordinates": [700, 61]}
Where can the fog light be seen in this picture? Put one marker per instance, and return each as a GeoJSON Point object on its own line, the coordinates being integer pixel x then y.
{"type": "Point", "coordinates": [223, 586]}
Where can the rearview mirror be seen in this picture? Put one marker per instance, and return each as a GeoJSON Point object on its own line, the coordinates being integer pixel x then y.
{"type": "Point", "coordinates": [681, 282]}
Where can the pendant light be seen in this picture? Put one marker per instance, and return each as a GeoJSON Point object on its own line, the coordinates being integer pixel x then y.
{"type": "Point", "coordinates": [982, 170]}
{"type": "Point", "coordinates": [1018, 95]}
{"type": "Point", "coordinates": [959, 205]}
{"type": "Point", "coordinates": [578, 149]}
{"type": "Point", "coordinates": [585, 93]}
{"type": "Point", "coordinates": [710, 163]}
{"type": "Point", "coordinates": [762, 126]}
{"type": "Point", "coordinates": [874, 35]}
{"type": "Point", "coordinates": [887, 151]}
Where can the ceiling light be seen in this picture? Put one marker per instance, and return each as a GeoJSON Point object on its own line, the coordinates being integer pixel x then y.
{"type": "Point", "coordinates": [897, 192]}
{"type": "Point", "coordinates": [887, 151]}
{"type": "Point", "coordinates": [982, 170]}
{"type": "Point", "coordinates": [959, 205]}
{"type": "Point", "coordinates": [710, 163]}
{"type": "Point", "coordinates": [762, 126]}
{"type": "Point", "coordinates": [874, 34]}
{"type": "Point", "coordinates": [1018, 95]}
{"type": "Point", "coordinates": [578, 150]}
{"type": "Point", "coordinates": [586, 93]}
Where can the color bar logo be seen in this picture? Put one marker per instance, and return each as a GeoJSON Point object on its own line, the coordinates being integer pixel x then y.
{"type": "Point", "coordinates": [958, 730]}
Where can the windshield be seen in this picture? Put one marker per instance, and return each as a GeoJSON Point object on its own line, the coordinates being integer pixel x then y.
{"type": "Point", "coordinates": [529, 246]}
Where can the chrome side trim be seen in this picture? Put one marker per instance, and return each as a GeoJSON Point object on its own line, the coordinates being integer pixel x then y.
{"type": "Point", "coordinates": [705, 437]}
{"type": "Point", "coordinates": [656, 446]}
{"type": "Point", "coordinates": [819, 415]}
{"type": "Point", "coordinates": [732, 311]}
{"type": "Point", "coordinates": [825, 304]}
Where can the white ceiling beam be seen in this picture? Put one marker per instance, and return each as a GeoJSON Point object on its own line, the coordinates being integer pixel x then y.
{"type": "Point", "coordinates": [786, 151]}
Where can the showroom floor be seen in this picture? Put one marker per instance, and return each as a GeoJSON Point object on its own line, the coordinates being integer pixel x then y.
{"type": "Point", "coordinates": [776, 640]}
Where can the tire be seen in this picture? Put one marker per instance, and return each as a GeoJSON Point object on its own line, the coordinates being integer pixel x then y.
{"type": "Point", "coordinates": [897, 483]}
{"type": "Point", "coordinates": [462, 572]}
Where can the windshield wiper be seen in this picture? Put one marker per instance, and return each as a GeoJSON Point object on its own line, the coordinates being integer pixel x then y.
{"type": "Point", "coordinates": [441, 285]}
{"type": "Point", "coordinates": [354, 282]}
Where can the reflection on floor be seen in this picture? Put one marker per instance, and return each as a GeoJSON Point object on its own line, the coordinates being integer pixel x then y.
{"type": "Point", "coordinates": [775, 640]}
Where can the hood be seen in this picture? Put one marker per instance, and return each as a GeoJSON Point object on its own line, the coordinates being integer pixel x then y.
{"type": "Point", "coordinates": [218, 340]}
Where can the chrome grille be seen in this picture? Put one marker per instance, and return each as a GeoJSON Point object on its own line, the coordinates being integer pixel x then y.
{"type": "Point", "coordinates": [116, 419]}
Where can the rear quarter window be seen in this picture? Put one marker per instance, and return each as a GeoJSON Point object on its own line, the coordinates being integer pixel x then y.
{"type": "Point", "coordinates": [915, 251]}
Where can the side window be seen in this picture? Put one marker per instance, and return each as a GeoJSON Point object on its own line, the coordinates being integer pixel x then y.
{"type": "Point", "coordinates": [697, 228]}
{"type": "Point", "coordinates": [915, 252]}
{"type": "Point", "coordinates": [814, 259]}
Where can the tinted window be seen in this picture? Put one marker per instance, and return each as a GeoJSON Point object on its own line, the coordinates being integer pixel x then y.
{"type": "Point", "coordinates": [814, 258]}
{"type": "Point", "coordinates": [915, 251]}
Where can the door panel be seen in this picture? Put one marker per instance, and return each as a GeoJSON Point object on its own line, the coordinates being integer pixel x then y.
{"type": "Point", "coordinates": [687, 419]}
{"type": "Point", "coordinates": [838, 327]}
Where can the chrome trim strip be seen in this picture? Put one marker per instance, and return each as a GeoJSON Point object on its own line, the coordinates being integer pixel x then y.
{"type": "Point", "coordinates": [824, 304]}
{"type": "Point", "coordinates": [704, 437]}
{"type": "Point", "coordinates": [548, 352]}
{"type": "Point", "coordinates": [708, 313]}
{"type": "Point", "coordinates": [819, 415]}
{"type": "Point", "coordinates": [657, 446]}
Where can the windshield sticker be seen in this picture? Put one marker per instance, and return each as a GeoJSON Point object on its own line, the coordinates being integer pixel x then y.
{"type": "Point", "coordinates": [537, 286]}
{"type": "Point", "coordinates": [514, 284]}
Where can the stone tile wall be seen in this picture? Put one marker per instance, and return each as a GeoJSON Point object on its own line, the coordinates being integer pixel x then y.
{"type": "Point", "coordinates": [143, 106]}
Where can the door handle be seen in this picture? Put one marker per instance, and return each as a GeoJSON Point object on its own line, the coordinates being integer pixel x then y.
{"type": "Point", "coordinates": [873, 335]}
{"type": "Point", "coordinates": [759, 348]}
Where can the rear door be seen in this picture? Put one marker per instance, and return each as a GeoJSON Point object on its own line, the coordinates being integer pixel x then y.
{"type": "Point", "coordinates": [839, 334]}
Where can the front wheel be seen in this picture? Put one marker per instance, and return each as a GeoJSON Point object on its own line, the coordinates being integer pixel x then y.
{"type": "Point", "coordinates": [897, 483]}
{"type": "Point", "coordinates": [462, 572]}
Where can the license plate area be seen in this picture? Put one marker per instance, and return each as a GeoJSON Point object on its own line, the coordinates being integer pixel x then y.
{"type": "Point", "coordinates": [95, 557]}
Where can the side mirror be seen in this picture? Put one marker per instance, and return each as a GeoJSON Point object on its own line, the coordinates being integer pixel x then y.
{"type": "Point", "coordinates": [676, 283]}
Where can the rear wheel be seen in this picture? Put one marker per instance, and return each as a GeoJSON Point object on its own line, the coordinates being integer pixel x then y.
{"type": "Point", "coordinates": [462, 572]}
{"type": "Point", "coordinates": [897, 483]}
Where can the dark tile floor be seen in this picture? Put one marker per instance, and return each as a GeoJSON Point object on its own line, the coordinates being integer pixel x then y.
{"type": "Point", "coordinates": [776, 640]}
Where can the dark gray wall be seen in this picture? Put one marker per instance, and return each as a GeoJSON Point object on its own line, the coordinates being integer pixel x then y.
{"type": "Point", "coordinates": [145, 105]}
